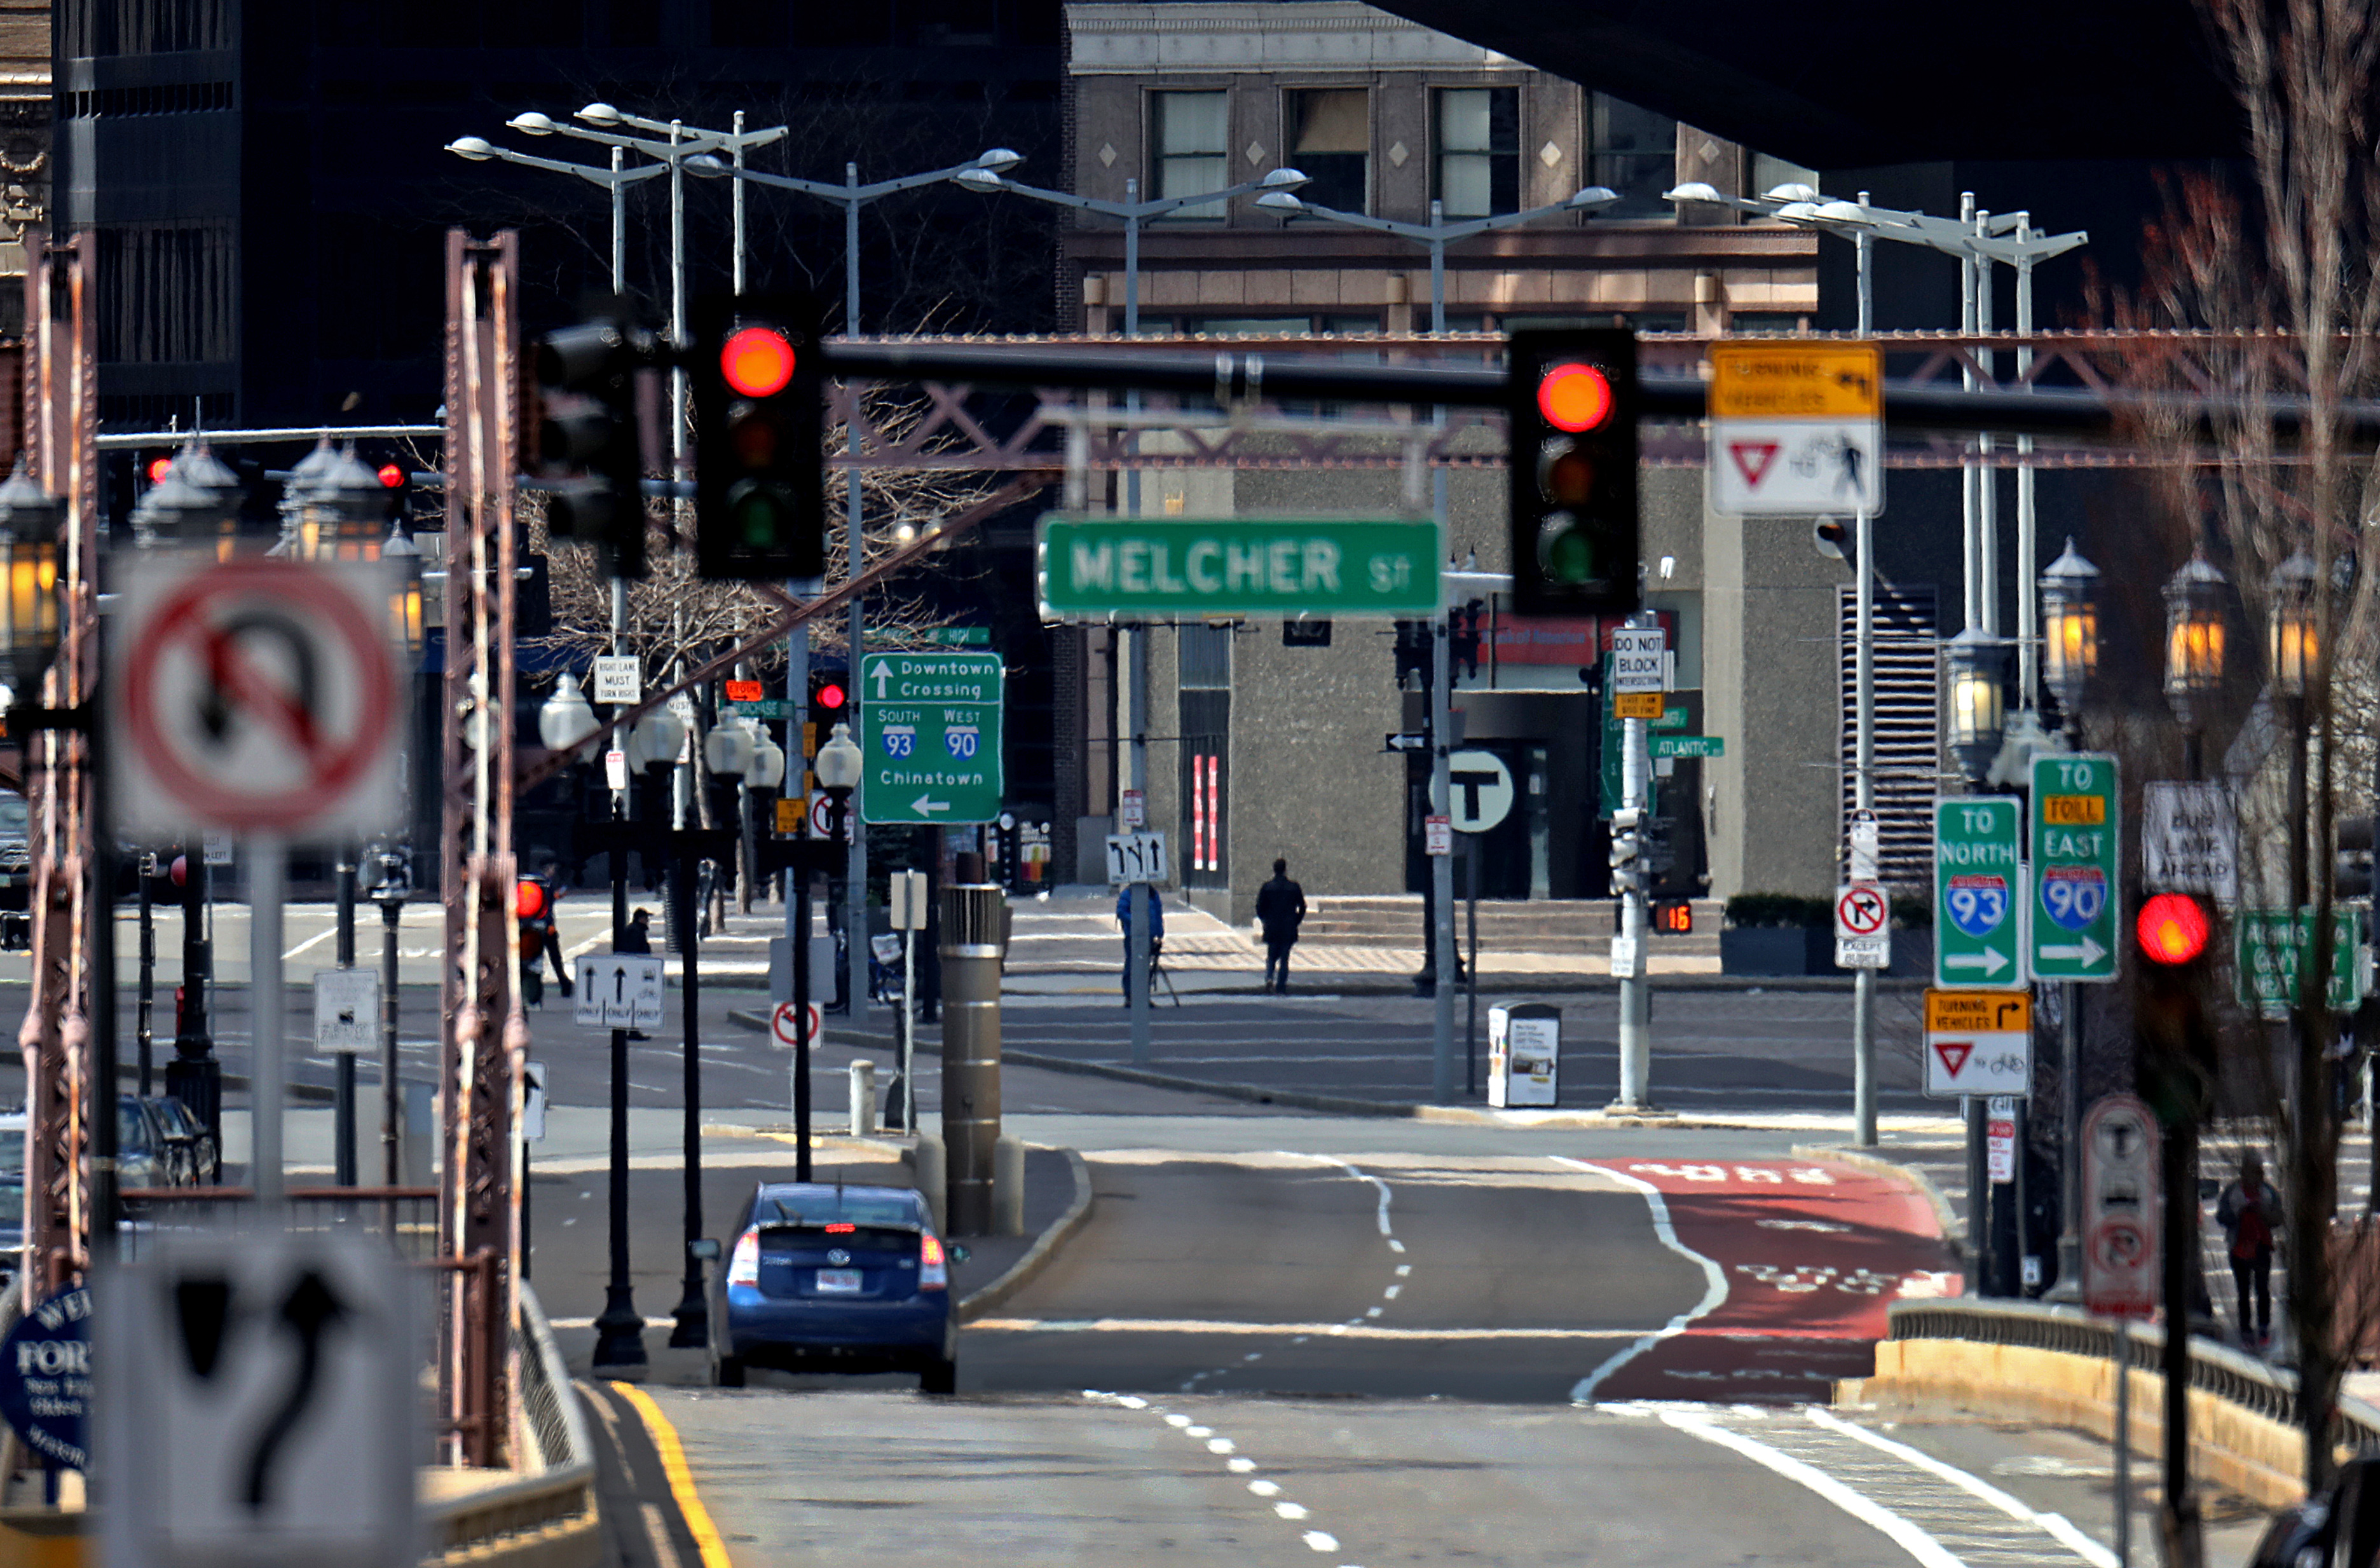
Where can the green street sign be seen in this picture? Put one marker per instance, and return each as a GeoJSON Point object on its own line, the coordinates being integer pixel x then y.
{"type": "Point", "coordinates": [1156, 568]}
{"type": "Point", "coordinates": [960, 637]}
{"type": "Point", "coordinates": [1678, 715]}
{"type": "Point", "coordinates": [2270, 951]}
{"type": "Point", "coordinates": [2076, 911]}
{"type": "Point", "coordinates": [929, 737]}
{"type": "Point", "coordinates": [1688, 745]}
{"type": "Point", "coordinates": [767, 708]}
{"type": "Point", "coordinates": [1978, 885]}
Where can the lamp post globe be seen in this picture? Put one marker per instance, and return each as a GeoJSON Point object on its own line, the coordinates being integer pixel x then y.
{"type": "Point", "coordinates": [1978, 675]}
{"type": "Point", "coordinates": [565, 719]}
{"type": "Point", "coordinates": [768, 763]}
{"type": "Point", "coordinates": [2293, 638]}
{"type": "Point", "coordinates": [659, 736]}
{"type": "Point", "coordinates": [728, 749]}
{"type": "Point", "coordinates": [197, 502]}
{"type": "Point", "coordinates": [2070, 628]}
{"type": "Point", "coordinates": [30, 519]}
{"type": "Point", "coordinates": [2197, 609]}
{"type": "Point", "coordinates": [403, 557]}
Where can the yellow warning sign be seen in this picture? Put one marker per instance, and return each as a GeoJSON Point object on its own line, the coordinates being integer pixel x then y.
{"type": "Point", "coordinates": [1636, 704]}
{"type": "Point", "coordinates": [1783, 378]}
{"type": "Point", "coordinates": [1979, 1012]}
{"type": "Point", "coordinates": [791, 810]}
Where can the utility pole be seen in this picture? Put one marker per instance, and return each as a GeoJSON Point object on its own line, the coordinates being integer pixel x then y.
{"type": "Point", "coordinates": [1442, 867]}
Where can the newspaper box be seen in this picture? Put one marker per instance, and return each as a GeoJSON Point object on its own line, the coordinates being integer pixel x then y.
{"type": "Point", "coordinates": [1524, 1053]}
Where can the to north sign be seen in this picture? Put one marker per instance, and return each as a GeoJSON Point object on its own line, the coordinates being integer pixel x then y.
{"type": "Point", "coordinates": [1976, 877]}
{"type": "Point", "coordinates": [1160, 567]}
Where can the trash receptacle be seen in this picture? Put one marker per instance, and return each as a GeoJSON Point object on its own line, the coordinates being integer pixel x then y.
{"type": "Point", "coordinates": [1523, 1054]}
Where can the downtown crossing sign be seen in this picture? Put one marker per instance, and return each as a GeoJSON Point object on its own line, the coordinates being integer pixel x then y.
{"type": "Point", "coordinates": [2076, 913]}
{"type": "Point", "coordinates": [1978, 891]}
{"type": "Point", "coordinates": [930, 743]}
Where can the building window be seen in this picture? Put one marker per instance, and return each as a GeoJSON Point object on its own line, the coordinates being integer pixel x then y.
{"type": "Point", "coordinates": [1634, 152]}
{"type": "Point", "coordinates": [1330, 143]}
{"type": "Point", "coordinates": [1478, 150]}
{"type": "Point", "coordinates": [1191, 132]}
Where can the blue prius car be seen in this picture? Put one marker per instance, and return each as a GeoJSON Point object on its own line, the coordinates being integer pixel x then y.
{"type": "Point", "coordinates": [841, 1278]}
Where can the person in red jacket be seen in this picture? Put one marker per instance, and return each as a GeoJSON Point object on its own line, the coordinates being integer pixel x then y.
{"type": "Point", "coordinates": [2250, 1213]}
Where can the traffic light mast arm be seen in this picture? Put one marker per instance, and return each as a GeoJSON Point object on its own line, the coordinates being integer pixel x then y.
{"type": "Point", "coordinates": [798, 613]}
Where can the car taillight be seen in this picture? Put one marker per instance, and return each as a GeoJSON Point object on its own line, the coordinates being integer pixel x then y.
{"type": "Point", "coordinates": [933, 1270]}
{"type": "Point", "coordinates": [743, 1268]}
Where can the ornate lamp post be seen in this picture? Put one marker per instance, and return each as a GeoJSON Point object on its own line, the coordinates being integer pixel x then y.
{"type": "Point", "coordinates": [2197, 609]}
{"type": "Point", "coordinates": [2069, 631]}
{"type": "Point", "coordinates": [1978, 673]}
{"type": "Point", "coordinates": [31, 518]}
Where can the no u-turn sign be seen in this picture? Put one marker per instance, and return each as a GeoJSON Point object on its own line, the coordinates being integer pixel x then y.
{"type": "Point", "coordinates": [254, 696]}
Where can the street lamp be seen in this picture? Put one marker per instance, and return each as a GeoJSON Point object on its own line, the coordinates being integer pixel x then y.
{"type": "Point", "coordinates": [617, 179]}
{"type": "Point", "coordinates": [1437, 234]}
{"type": "Point", "coordinates": [2294, 641]}
{"type": "Point", "coordinates": [2197, 601]}
{"type": "Point", "coordinates": [2070, 611]}
{"type": "Point", "coordinates": [337, 512]}
{"type": "Point", "coordinates": [1978, 671]}
{"type": "Point", "coordinates": [566, 717]}
{"type": "Point", "coordinates": [197, 502]}
{"type": "Point", "coordinates": [838, 768]}
{"type": "Point", "coordinates": [31, 518]}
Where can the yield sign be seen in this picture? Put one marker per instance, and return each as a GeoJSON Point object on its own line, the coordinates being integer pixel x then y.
{"type": "Point", "coordinates": [1954, 1053]}
{"type": "Point", "coordinates": [253, 696]}
{"type": "Point", "coordinates": [1753, 459]}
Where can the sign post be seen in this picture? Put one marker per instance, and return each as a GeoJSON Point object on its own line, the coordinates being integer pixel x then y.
{"type": "Point", "coordinates": [1976, 872]}
{"type": "Point", "coordinates": [2076, 843]}
{"type": "Point", "coordinates": [931, 727]}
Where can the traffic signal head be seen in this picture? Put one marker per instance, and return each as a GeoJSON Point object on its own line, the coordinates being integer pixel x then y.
{"type": "Point", "coordinates": [2172, 927]}
{"type": "Point", "coordinates": [1574, 535]}
{"type": "Point", "coordinates": [530, 900]}
{"type": "Point", "coordinates": [587, 436]}
{"type": "Point", "coordinates": [759, 422]}
{"type": "Point", "coordinates": [830, 698]}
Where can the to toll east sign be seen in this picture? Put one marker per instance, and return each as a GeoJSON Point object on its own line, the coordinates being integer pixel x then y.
{"type": "Point", "coordinates": [1978, 885]}
{"type": "Point", "coordinates": [930, 743]}
{"type": "Point", "coordinates": [1156, 568]}
{"type": "Point", "coordinates": [2075, 844]}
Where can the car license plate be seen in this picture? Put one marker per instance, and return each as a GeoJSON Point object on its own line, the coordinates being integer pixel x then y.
{"type": "Point", "coordinates": [838, 1281]}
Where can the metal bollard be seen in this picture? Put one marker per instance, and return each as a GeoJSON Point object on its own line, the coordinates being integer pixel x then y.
{"type": "Point", "coordinates": [1008, 1188]}
{"type": "Point", "coordinates": [863, 1099]}
{"type": "Point", "coordinates": [971, 929]}
{"type": "Point", "coordinates": [932, 1173]}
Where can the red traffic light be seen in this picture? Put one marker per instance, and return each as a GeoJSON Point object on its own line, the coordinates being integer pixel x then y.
{"type": "Point", "coordinates": [830, 697]}
{"type": "Point", "coordinates": [391, 475]}
{"type": "Point", "coordinates": [1575, 397]}
{"type": "Point", "coordinates": [2172, 928]}
{"type": "Point", "coordinates": [528, 899]}
{"type": "Point", "coordinates": [157, 466]}
{"type": "Point", "coordinates": [756, 362]}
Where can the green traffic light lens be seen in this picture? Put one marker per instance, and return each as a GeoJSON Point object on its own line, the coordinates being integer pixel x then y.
{"type": "Point", "coordinates": [1564, 552]}
{"type": "Point", "coordinates": [760, 516]}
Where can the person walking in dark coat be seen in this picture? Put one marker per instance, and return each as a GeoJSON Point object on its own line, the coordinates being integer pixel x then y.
{"type": "Point", "coordinates": [1281, 909]}
{"type": "Point", "coordinates": [637, 937]}
{"type": "Point", "coordinates": [2250, 1213]}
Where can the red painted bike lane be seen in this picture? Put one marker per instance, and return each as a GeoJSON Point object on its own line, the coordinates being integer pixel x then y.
{"type": "Point", "coordinates": [1801, 1256]}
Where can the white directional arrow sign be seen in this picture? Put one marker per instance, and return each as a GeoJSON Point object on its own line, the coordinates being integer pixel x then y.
{"type": "Point", "coordinates": [1991, 961]}
{"type": "Point", "coordinates": [2085, 952]}
{"type": "Point", "coordinates": [926, 805]}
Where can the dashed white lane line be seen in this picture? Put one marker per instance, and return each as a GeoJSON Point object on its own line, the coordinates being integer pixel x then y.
{"type": "Point", "coordinates": [1286, 1509]}
{"type": "Point", "coordinates": [1714, 1278]}
{"type": "Point", "coordinates": [1866, 1510]}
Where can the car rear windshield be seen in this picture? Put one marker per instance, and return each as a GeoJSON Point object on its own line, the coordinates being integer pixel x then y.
{"type": "Point", "coordinates": [836, 1208]}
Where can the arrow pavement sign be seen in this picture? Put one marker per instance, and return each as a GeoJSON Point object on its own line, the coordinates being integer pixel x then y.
{"type": "Point", "coordinates": [1978, 1042]}
{"type": "Point", "coordinates": [1977, 881]}
{"type": "Point", "coordinates": [256, 695]}
{"type": "Point", "coordinates": [2075, 905]}
{"type": "Point", "coordinates": [930, 740]}
{"type": "Point", "coordinates": [257, 1401]}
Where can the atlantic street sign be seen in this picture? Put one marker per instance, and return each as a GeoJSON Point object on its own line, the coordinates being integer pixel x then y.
{"type": "Point", "coordinates": [2076, 841]}
{"type": "Point", "coordinates": [929, 727]}
{"type": "Point", "coordinates": [2271, 950]}
{"type": "Point", "coordinates": [1156, 568]}
{"type": "Point", "coordinates": [1977, 922]}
